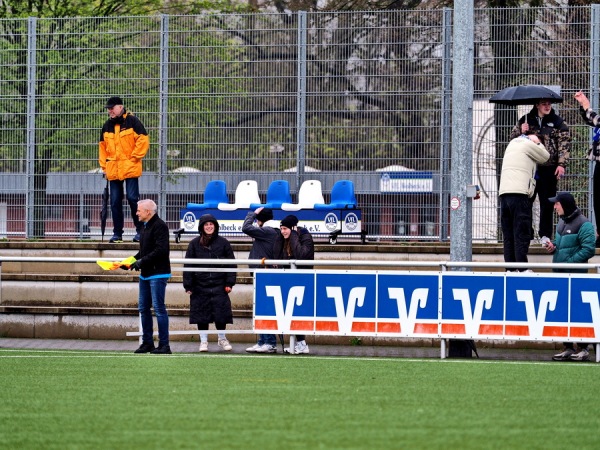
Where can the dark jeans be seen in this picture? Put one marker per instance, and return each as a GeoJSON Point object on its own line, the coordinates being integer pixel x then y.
{"type": "Point", "coordinates": [545, 188]}
{"type": "Point", "coordinates": [570, 345]}
{"type": "Point", "coordinates": [152, 295]}
{"type": "Point", "coordinates": [270, 339]}
{"type": "Point", "coordinates": [116, 203]}
{"type": "Point", "coordinates": [516, 220]}
{"type": "Point", "coordinates": [596, 193]}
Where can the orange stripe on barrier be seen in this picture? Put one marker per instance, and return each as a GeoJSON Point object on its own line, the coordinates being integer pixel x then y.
{"type": "Point", "coordinates": [264, 324]}
{"type": "Point", "coordinates": [555, 331]}
{"type": "Point", "coordinates": [426, 328]}
{"type": "Point", "coordinates": [495, 330]}
{"type": "Point", "coordinates": [517, 330]}
{"type": "Point", "coordinates": [583, 332]}
{"type": "Point", "coordinates": [302, 325]}
{"type": "Point", "coordinates": [367, 327]}
{"type": "Point", "coordinates": [453, 328]}
{"type": "Point", "coordinates": [388, 327]}
{"type": "Point", "coordinates": [327, 326]}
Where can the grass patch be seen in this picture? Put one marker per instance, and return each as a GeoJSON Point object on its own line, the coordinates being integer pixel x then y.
{"type": "Point", "coordinates": [112, 400]}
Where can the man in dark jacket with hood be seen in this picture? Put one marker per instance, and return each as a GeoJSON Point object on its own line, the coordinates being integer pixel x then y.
{"type": "Point", "coordinates": [262, 247]}
{"type": "Point", "coordinates": [153, 261]}
{"type": "Point", "coordinates": [574, 243]}
{"type": "Point", "coordinates": [554, 133]}
{"type": "Point", "coordinates": [208, 289]}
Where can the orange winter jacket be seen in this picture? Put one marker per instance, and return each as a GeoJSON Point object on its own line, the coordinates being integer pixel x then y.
{"type": "Point", "coordinates": [123, 143]}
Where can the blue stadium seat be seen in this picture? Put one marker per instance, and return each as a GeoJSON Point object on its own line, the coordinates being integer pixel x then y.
{"type": "Point", "coordinates": [342, 197]}
{"type": "Point", "coordinates": [214, 193]}
{"type": "Point", "coordinates": [277, 194]}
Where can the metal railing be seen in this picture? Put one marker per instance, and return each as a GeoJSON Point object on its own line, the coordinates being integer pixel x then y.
{"type": "Point", "coordinates": [441, 266]}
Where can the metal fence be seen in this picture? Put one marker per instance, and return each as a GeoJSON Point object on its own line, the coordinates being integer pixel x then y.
{"type": "Point", "coordinates": [363, 96]}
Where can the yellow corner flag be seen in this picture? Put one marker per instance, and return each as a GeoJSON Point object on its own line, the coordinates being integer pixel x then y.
{"type": "Point", "coordinates": [113, 265]}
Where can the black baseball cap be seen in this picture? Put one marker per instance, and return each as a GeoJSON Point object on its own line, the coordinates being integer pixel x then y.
{"type": "Point", "coordinates": [113, 101]}
{"type": "Point", "coordinates": [562, 197]}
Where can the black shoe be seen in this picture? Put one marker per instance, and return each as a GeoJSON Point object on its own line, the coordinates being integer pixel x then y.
{"type": "Point", "coordinates": [145, 348]}
{"type": "Point", "coordinates": [162, 350]}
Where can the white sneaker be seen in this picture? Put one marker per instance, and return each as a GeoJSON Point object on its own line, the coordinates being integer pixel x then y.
{"type": "Point", "coordinates": [225, 345]}
{"type": "Point", "coordinates": [300, 348]}
{"type": "Point", "coordinates": [203, 347]}
{"type": "Point", "coordinates": [583, 355]}
{"type": "Point", "coordinates": [266, 348]}
{"type": "Point", "coordinates": [254, 348]}
{"type": "Point", "coordinates": [564, 355]}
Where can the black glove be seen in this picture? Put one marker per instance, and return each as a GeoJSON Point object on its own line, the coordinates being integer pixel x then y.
{"type": "Point", "coordinates": [124, 267]}
{"type": "Point", "coordinates": [136, 265]}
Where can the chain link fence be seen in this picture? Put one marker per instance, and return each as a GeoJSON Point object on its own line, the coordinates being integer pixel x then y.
{"type": "Point", "coordinates": [361, 96]}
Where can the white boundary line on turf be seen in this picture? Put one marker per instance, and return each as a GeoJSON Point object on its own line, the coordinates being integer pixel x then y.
{"type": "Point", "coordinates": [113, 354]}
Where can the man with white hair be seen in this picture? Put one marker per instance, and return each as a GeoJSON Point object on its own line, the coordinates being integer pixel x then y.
{"type": "Point", "coordinates": [155, 266]}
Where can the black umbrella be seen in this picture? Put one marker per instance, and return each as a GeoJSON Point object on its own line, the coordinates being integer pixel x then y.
{"type": "Point", "coordinates": [104, 210]}
{"type": "Point", "coordinates": [525, 95]}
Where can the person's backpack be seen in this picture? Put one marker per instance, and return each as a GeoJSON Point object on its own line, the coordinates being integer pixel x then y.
{"type": "Point", "coordinates": [462, 348]}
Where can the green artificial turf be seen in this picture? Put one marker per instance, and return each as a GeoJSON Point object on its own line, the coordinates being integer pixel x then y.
{"type": "Point", "coordinates": [110, 400]}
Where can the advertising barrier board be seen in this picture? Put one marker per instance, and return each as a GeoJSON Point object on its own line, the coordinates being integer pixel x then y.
{"type": "Point", "coordinates": [457, 305]}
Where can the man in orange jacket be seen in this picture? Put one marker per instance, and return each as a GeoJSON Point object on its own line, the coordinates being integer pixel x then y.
{"type": "Point", "coordinates": [123, 143]}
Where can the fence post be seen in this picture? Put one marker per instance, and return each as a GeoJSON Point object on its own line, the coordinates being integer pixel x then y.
{"type": "Point", "coordinates": [301, 100]}
{"type": "Point", "coordinates": [163, 110]}
{"type": "Point", "coordinates": [462, 132]}
{"type": "Point", "coordinates": [445, 136]}
{"type": "Point", "coordinates": [594, 91]}
{"type": "Point", "coordinates": [31, 83]}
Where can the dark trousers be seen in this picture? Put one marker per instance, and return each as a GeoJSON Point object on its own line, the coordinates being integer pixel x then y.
{"type": "Point", "coordinates": [545, 188]}
{"type": "Point", "coordinates": [596, 193]}
{"type": "Point", "coordinates": [116, 203]}
{"type": "Point", "coordinates": [516, 221]}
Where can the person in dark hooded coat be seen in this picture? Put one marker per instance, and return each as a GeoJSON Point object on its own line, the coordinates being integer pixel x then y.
{"type": "Point", "coordinates": [209, 290]}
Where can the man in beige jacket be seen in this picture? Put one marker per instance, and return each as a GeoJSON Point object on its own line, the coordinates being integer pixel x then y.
{"type": "Point", "coordinates": [517, 185]}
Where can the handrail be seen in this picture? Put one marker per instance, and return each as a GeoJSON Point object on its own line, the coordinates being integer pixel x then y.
{"type": "Point", "coordinates": [294, 263]}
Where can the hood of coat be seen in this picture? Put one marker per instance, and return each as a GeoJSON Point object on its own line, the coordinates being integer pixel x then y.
{"type": "Point", "coordinates": [207, 218]}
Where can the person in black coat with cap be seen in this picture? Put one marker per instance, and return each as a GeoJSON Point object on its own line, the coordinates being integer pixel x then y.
{"type": "Point", "coordinates": [294, 242]}
{"type": "Point", "coordinates": [209, 290]}
{"type": "Point", "coordinates": [262, 248]}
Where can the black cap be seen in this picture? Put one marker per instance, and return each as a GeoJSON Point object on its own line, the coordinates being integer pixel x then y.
{"type": "Point", "coordinates": [265, 215]}
{"type": "Point", "coordinates": [567, 202]}
{"type": "Point", "coordinates": [562, 197]}
{"type": "Point", "coordinates": [113, 101]}
{"type": "Point", "coordinates": [289, 221]}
